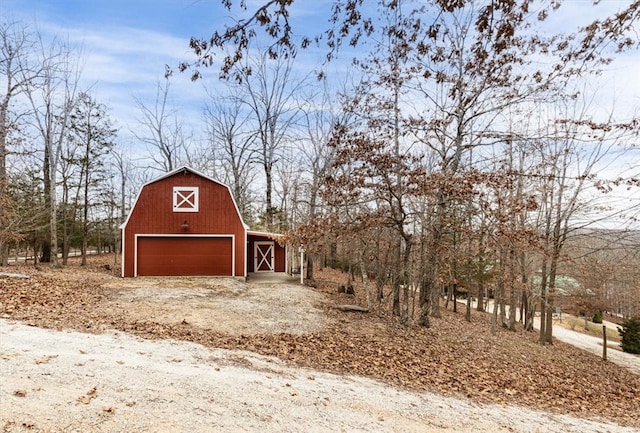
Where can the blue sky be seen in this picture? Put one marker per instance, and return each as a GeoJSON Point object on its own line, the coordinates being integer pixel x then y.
{"type": "Point", "coordinates": [127, 43]}
{"type": "Point", "coordinates": [170, 16]}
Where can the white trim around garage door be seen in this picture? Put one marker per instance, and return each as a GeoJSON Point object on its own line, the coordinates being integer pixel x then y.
{"type": "Point", "coordinates": [151, 235]}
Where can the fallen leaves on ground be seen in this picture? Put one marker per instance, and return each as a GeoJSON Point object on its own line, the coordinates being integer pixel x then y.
{"type": "Point", "coordinates": [452, 357]}
{"type": "Point", "coordinates": [90, 395]}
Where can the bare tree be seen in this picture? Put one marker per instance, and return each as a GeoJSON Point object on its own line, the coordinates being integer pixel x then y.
{"type": "Point", "coordinates": [468, 64]}
{"type": "Point", "coordinates": [572, 147]}
{"type": "Point", "coordinates": [91, 130]}
{"type": "Point", "coordinates": [268, 89]}
{"type": "Point", "coordinates": [51, 100]}
{"type": "Point", "coordinates": [28, 214]}
{"type": "Point", "coordinates": [69, 175]}
{"type": "Point", "coordinates": [162, 131]}
{"type": "Point", "coordinates": [124, 168]}
{"type": "Point", "coordinates": [320, 116]}
{"type": "Point", "coordinates": [18, 71]}
{"type": "Point", "coordinates": [231, 144]}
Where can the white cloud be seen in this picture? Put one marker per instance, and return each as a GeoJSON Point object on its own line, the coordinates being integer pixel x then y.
{"type": "Point", "coordinates": [124, 63]}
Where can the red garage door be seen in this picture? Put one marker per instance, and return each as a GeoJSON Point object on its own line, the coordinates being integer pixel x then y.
{"type": "Point", "coordinates": [174, 256]}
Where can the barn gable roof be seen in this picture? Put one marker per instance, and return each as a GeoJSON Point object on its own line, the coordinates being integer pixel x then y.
{"type": "Point", "coordinates": [184, 169]}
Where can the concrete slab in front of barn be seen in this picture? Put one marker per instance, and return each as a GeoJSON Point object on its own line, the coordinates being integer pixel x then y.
{"type": "Point", "coordinates": [272, 278]}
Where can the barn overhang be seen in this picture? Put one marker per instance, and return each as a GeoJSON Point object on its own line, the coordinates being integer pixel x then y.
{"type": "Point", "coordinates": [266, 252]}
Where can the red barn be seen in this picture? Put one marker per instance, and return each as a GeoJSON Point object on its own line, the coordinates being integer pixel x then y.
{"type": "Point", "coordinates": [185, 223]}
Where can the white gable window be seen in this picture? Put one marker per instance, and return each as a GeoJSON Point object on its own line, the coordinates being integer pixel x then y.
{"type": "Point", "coordinates": [185, 199]}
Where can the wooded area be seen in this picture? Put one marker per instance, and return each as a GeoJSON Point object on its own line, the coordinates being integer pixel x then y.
{"type": "Point", "coordinates": [466, 153]}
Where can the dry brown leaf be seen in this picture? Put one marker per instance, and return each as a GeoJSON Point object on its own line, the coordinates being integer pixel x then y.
{"type": "Point", "coordinates": [85, 399]}
{"type": "Point", "coordinates": [45, 359]}
{"type": "Point", "coordinates": [90, 395]}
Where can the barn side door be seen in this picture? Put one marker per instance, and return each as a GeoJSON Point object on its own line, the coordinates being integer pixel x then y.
{"type": "Point", "coordinates": [263, 256]}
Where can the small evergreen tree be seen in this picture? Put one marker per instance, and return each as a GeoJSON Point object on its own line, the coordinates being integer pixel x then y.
{"type": "Point", "coordinates": [597, 317]}
{"type": "Point", "coordinates": [630, 333]}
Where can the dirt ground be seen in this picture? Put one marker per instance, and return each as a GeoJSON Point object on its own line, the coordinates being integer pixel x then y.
{"type": "Point", "coordinates": [224, 305]}
{"type": "Point", "coordinates": [295, 364]}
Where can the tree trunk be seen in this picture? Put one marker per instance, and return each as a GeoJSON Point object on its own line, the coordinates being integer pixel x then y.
{"type": "Point", "coordinates": [46, 170]}
{"type": "Point", "coordinates": [53, 224]}
{"type": "Point", "coordinates": [4, 244]}
{"type": "Point", "coordinates": [404, 317]}
{"type": "Point", "coordinates": [513, 310]}
{"type": "Point", "coordinates": [480, 306]}
{"type": "Point", "coordinates": [309, 267]}
{"type": "Point", "coordinates": [531, 313]}
{"type": "Point", "coordinates": [524, 308]}
{"type": "Point", "coordinates": [503, 310]}
{"type": "Point", "coordinates": [425, 304]}
{"type": "Point", "coordinates": [65, 239]}
{"type": "Point", "coordinates": [85, 207]}
{"type": "Point", "coordinates": [454, 296]}
{"type": "Point", "coordinates": [548, 333]}
{"type": "Point", "coordinates": [406, 263]}
{"type": "Point", "coordinates": [494, 316]}
{"type": "Point", "coordinates": [396, 296]}
{"type": "Point", "coordinates": [35, 253]}
{"type": "Point", "coordinates": [397, 281]}
{"type": "Point", "coordinates": [467, 313]}
{"type": "Point", "coordinates": [333, 255]}
{"type": "Point", "coordinates": [435, 300]}
{"type": "Point", "coordinates": [269, 206]}
{"type": "Point", "coordinates": [513, 298]}
{"type": "Point", "coordinates": [365, 283]}
{"type": "Point", "coordinates": [543, 302]}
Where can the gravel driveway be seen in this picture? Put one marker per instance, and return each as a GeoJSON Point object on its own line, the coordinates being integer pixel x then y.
{"type": "Point", "coordinates": [594, 345]}
{"type": "Point", "coordinates": [58, 381]}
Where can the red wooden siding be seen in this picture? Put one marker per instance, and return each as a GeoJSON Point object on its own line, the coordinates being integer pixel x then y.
{"type": "Point", "coordinates": [280, 260]}
{"type": "Point", "coordinates": [153, 215]}
{"type": "Point", "coordinates": [175, 256]}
